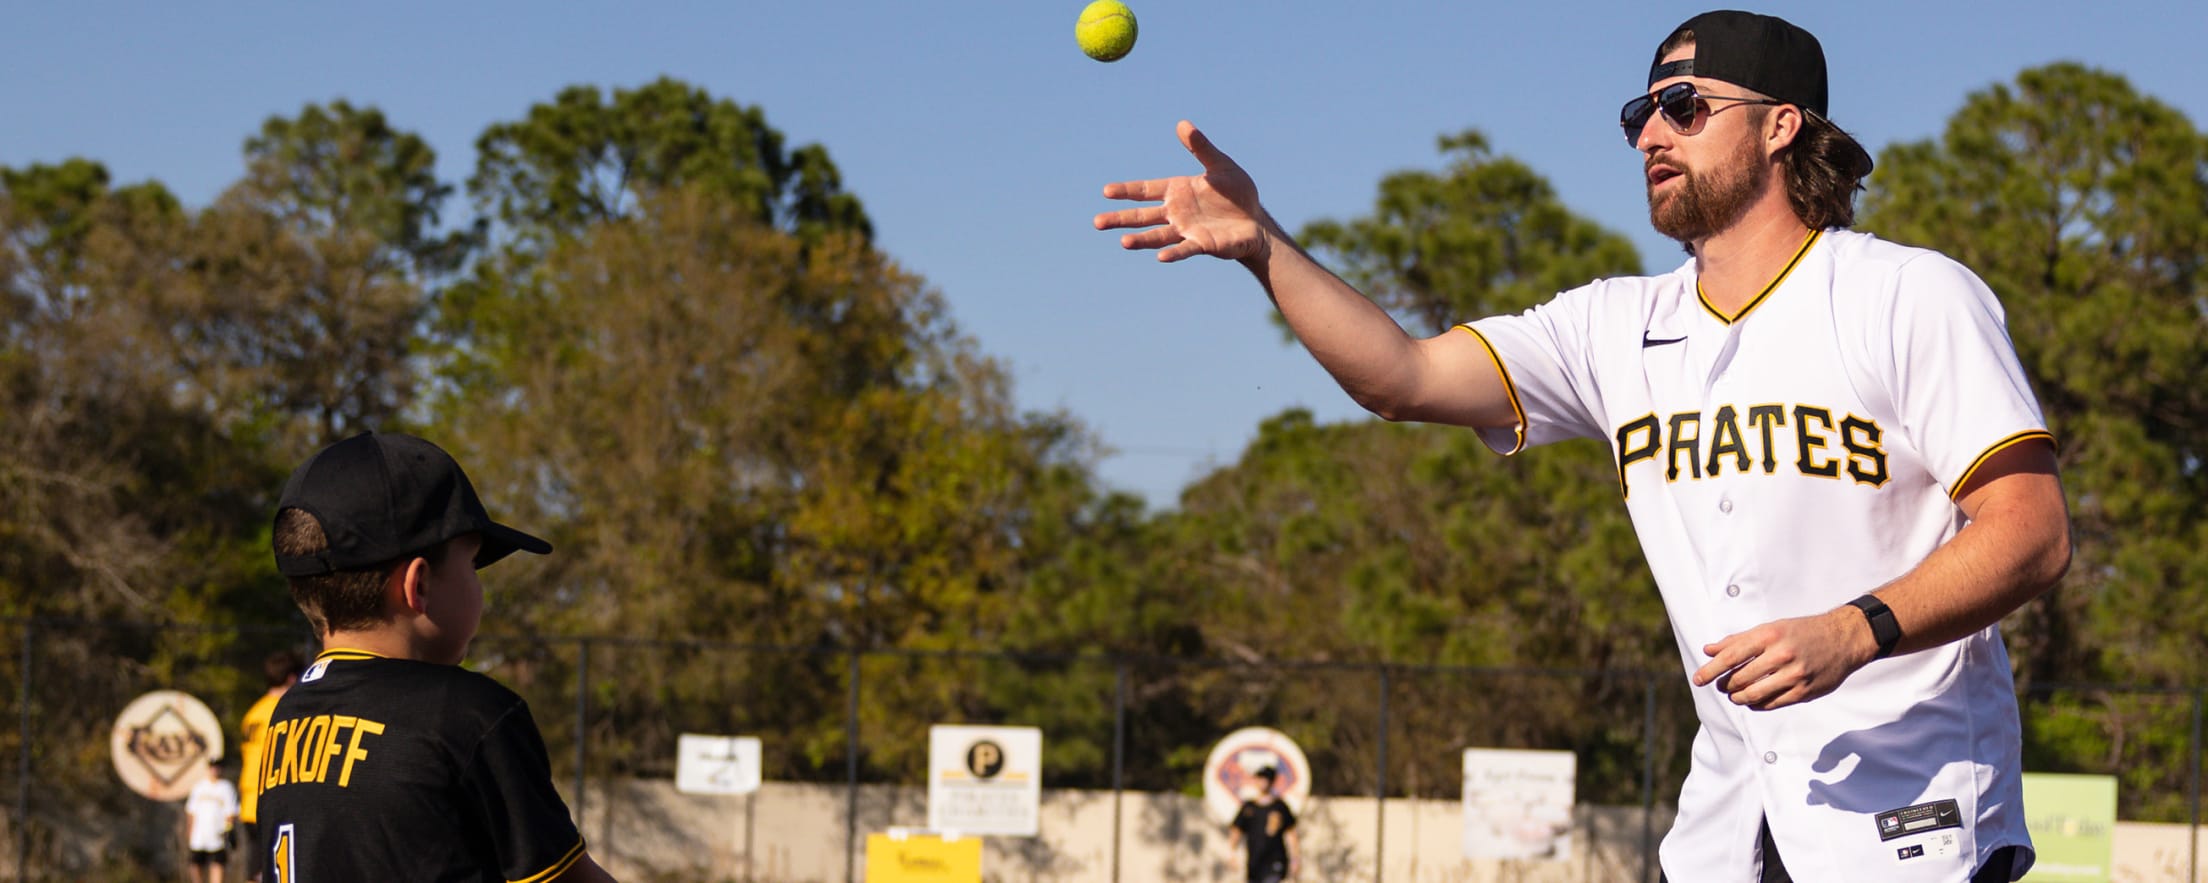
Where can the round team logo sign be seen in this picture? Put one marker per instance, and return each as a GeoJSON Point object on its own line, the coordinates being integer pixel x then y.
{"type": "Point", "coordinates": [985, 759]}
{"type": "Point", "coordinates": [162, 742]}
{"type": "Point", "coordinates": [1230, 775]}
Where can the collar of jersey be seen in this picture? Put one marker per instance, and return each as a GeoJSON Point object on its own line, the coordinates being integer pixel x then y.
{"type": "Point", "coordinates": [1791, 263]}
{"type": "Point", "coordinates": [347, 654]}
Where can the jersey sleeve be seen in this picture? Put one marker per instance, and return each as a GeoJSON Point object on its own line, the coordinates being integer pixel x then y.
{"type": "Point", "coordinates": [252, 735]}
{"type": "Point", "coordinates": [509, 779]}
{"type": "Point", "coordinates": [1542, 355]}
{"type": "Point", "coordinates": [1958, 388]}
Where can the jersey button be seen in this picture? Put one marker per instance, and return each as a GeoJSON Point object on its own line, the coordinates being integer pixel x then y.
{"type": "Point", "coordinates": [1732, 591]}
{"type": "Point", "coordinates": [1770, 757]}
{"type": "Point", "coordinates": [1725, 506]}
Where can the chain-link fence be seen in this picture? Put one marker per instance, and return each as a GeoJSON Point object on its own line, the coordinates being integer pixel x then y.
{"type": "Point", "coordinates": [844, 736]}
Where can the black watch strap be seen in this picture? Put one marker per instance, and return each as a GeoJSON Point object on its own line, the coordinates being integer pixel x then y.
{"type": "Point", "coordinates": [1884, 629]}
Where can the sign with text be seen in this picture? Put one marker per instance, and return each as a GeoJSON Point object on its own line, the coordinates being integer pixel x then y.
{"type": "Point", "coordinates": [2073, 825]}
{"type": "Point", "coordinates": [985, 780]}
{"type": "Point", "coordinates": [162, 742]}
{"type": "Point", "coordinates": [1518, 804]}
{"type": "Point", "coordinates": [898, 857]}
{"type": "Point", "coordinates": [716, 764]}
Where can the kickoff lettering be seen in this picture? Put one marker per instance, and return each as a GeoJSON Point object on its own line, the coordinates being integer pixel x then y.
{"type": "Point", "coordinates": [304, 750]}
{"type": "Point", "coordinates": [1691, 445]}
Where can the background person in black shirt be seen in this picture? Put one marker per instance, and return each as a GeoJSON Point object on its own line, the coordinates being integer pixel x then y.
{"type": "Point", "coordinates": [1267, 828]}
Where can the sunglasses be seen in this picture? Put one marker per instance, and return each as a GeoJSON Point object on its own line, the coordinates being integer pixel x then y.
{"type": "Point", "coordinates": [1683, 108]}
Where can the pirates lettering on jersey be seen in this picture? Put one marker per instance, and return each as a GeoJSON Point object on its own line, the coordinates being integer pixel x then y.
{"type": "Point", "coordinates": [306, 749]}
{"type": "Point", "coordinates": [1693, 445]}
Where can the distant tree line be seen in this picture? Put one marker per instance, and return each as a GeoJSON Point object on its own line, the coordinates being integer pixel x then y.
{"type": "Point", "coordinates": [662, 337]}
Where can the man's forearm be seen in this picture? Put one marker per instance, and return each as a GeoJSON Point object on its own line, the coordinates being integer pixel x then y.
{"type": "Point", "coordinates": [2016, 547]}
{"type": "Point", "coordinates": [1353, 339]}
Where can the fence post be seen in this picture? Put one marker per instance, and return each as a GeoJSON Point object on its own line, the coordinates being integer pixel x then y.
{"type": "Point", "coordinates": [2192, 841]}
{"type": "Point", "coordinates": [582, 722]}
{"type": "Point", "coordinates": [23, 760]}
{"type": "Point", "coordinates": [851, 777]}
{"type": "Point", "coordinates": [1648, 775]}
{"type": "Point", "coordinates": [1119, 752]}
{"type": "Point", "coordinates": [1380, 794]}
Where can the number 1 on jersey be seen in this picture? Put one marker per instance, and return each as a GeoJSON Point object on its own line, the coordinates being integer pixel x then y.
{"type": "Point", "coordinates": [279, 858]}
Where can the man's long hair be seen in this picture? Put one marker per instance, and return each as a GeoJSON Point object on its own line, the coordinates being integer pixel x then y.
{"type": "Point", "coordinates": [1824, 171]}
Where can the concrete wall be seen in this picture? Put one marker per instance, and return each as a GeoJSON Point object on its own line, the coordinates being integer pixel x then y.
{"type": "Point", "coordinates": [643, 830]}
{"type": "Point", "coordinates": [796, 833]}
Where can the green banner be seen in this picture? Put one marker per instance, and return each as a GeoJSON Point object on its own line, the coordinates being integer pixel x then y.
{"type": "Point", "coordinates": [2073, 824]}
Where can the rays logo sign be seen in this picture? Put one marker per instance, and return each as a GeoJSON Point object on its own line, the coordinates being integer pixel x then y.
{"type": "Point", "coordinates": [1230, 774]}
{"type": "Point", "coordinates": [162, 742]}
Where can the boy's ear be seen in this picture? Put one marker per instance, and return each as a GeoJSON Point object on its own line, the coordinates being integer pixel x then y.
{"type": "Point", "coordinates": [405, 588]}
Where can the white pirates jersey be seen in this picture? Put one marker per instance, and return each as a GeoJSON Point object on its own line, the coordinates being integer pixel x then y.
{"type": "Point", "coordinates": [1778, 463]}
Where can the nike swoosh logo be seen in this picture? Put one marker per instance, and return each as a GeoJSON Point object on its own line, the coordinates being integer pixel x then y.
{"type": "Point", "coordinates": [1647, 341]}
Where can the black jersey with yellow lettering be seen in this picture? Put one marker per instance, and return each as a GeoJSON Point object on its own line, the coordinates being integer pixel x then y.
{"type": "Point", "coordinates": [392, 769]}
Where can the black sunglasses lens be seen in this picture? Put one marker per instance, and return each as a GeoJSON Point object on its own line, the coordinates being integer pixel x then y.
{"type": "Point", "coordinates": [1678, 102]}
{"type": "Point", "coordinates": [1634, 117]}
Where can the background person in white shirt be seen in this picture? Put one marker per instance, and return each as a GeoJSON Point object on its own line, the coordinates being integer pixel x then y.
{"type": "Point", "coordinates": [210, 815]}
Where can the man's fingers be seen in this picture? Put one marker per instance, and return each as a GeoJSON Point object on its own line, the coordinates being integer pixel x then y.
{"type": "Point", "coordinates": [1144, 191]}
{"type": "Point", "coordinates": [1154, 238]}
{"type": "Point", "coordinates": [1179, 252]}
{"type": "Point", "coordinates": [1202, 148]}
{"type": "Point", "coordinates": [1147, 216]}
{"type": "Point", "coordinates": [1792, 695]}
{"type": "Point", "coordinates": [1725, 655]}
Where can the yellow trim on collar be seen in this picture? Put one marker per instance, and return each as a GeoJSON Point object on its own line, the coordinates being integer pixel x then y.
{"type": "Point", "coordinates": [347, 653]}
{"type": "Point", "coordinates": [1774, 286]}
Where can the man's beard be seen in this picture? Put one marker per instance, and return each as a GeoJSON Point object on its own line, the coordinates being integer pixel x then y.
{"type": "Point", "coordinates": [1707, 202]}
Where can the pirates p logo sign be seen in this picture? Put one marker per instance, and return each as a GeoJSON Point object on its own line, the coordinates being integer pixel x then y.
{"type": "Point", "coordinates": [985, 759]}
{"type": "Point", "coordinates": [162, 742]}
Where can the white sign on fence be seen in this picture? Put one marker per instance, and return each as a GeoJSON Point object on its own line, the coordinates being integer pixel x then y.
{"type": "Point", "coordinates": [1518, 804]}
{"type": "Point", "coordinates": [985, 780]}
{"type": "Point", "coordinates": [716, 764]}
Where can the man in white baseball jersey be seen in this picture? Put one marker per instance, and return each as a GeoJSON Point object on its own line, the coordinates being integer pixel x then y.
{"type": "Point", "coordinates": [1838, 473]}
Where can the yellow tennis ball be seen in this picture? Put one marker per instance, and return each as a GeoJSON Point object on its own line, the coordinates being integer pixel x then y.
{"type": "Point", "coordinates": [1106, 30]}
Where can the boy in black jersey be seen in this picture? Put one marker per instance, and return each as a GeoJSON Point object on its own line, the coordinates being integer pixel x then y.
{"type": "Point", "coordinates": [388, 761]}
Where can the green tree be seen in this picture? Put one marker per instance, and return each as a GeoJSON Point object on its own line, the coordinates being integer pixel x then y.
{"type": "Point", "coordinates": [586, 158]}
{"type": "Point", "coordinates": [2084, 204]}
{"type": "Point", "coordinates": [734, 434]}
{"type": "Point", "coordinates": [92, 433]}
{"type": "Point", "coordinates": [313, 276]}
{"type": "Point", "coordinates": [1484, 236]}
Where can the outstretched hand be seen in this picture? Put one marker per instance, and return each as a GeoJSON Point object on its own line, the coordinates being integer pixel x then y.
{"type": "Point", "coordinates": [1215, 213]}
{"type": "Point", "coordinates": [1789, 661]}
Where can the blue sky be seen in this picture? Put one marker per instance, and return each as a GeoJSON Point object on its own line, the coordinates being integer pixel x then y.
{"type": "Point", "coordinates": [978, 136]}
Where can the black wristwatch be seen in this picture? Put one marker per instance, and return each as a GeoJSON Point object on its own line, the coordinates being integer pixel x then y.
{"type": "Point", "coordinates": [1884, 629]}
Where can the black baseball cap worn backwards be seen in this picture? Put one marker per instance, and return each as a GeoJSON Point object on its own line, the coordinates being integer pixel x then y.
{"type": "Point", "coordinates": [384, 496]}
{"type": "Point", "coordinates": [1764, 53]}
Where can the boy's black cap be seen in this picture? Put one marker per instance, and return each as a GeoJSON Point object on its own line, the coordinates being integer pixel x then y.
{"type": "Point", "coordinates": [1761, 52]}
{"type": "Point", "coordinates": [384, 496]}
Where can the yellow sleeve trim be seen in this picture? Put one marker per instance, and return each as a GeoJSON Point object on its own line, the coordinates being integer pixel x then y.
{"type": "Point", "coordinates": [1510, 389]}
{"type": "Point", "coordinates": [574, 854]}
{"type": "Point", "coordinates": [1998, 447]}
